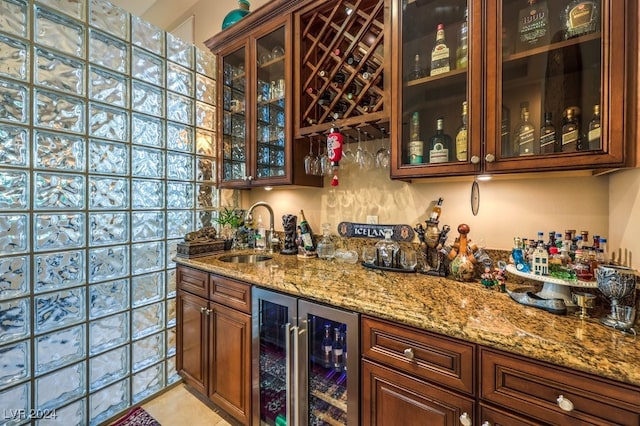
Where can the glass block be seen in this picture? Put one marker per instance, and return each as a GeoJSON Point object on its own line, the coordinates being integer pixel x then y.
{"type": "Point", "coordinates": [172, 371]}
{"type": "Point", "coordinates": [109, 332]}
{"type": "Point", "coordinates": [147, 162]}
{"type": "Point", "coordinates": [14, 189]}
{"type": "Point", "coordinates": [16, 399]}
{"type": "Point", "coordinates": [59, 32]}
{"type": "Point", "coordinates": [61, 386]}
{"type": "Point", "coordinates": [207, 196]}
{"type": "Point", "coordinates": [108, 157]}
{"type": "Point", "coordinates": [147, 36]}
{"type": "Point", "coordinates": [15, 57]}
{"type": "Point", "coordinates": [206, 63]}
{"type": "Point", "coordinates": [59, 72]}
{"type": "Point", "coordinates": [109, 18]}
{"type": "Point", "coordinates": [179, 79]}
{"type": "Point", "coordinates": [147, 351]}
{"type": "Point", "coordinates": [179, 138]}
{"type": "Point", "coordinates": [147, 226]}
{"type": "Point", "coordinates": [14, 141]}
{"type": "Point", "coordinates": [108, 193]}
{"type": "Point", "coordinates": [58, 191]}
{"type": "Point", "coordinates": [55, 310]}
{"type": "Point", "coordinates": [108, 123]}
{"type": "Point", "coordinates": [108, 263]}
{"type": "Point", "coordinates": [205, 143]}
{"type": "Point", "coordinates": [147, 320]}
{"type": "Point", "coordinates": [171, 342]}
{"type": "Point", "coordinates": [172, 251]}
{"type": "Point", "coordinates": [147, 194]}
{"type": "Point", "coordinates": [179, 195]}
{"type": "Point", "coordinates": [147, 99]}
{"type": "Point", "coordinates": [179, 108]}
{"type": "Point", "coordinates": [58, 349]}
{"type": "Point", "coordinates": [59, 151]}
{"type": "Point", "coordinates": [205, 89]}
{"type": "Point", "coordinates": [73, 8]}
{"type": "Point", "coordinates": [71, 415]}
{"type": "Point", "coordinates": [109, 401]}
{"type": "Point", "coordinates": [179, 51]}
{"type": "Point", "coordinates": [14, 277]}
{"type": "Point", "coordinates": [108, 367]}
{"type": "Point", "coordinates": [205, 169]}
{"type": "Point", "coordinates": [147, 382]}
{"type": "Point", "coordinates": [171, 283]}
{"type": "Point", "coordinates": [108, 51]}
{"type": "Point", "coordinates": [14, 17]}
{"type": "Point", "coordinates": [147, 130]}
{"type": "Point", "coordinates": [15, 363]}
{"type": "Point", "coordinates": [58, 270]}
{"type": "Point", "coordinates": [179, 223]}
{"type": "Point", "coordinates": [147, 289]}
{"type": "Point", "coordinates": [179, 166]}
{"type": "Point", "coordinates": [59, 112]}
{"type": "Point", "coordinates": [13, 233]}
{"type": "Point", "coordinates": [107, 298]}
{"type": "Point", "coordinates": [15, 101]}
{"type": "Point", "coordinates": [108, 228]}
{"type": "Point", "coordinates": [205, 116]}
{"type": "Point", "coordinates": [58, 231]}
{"type": "Point", "coordinates": [171, 313]}
{"type": "Point", "coordinates": [147, 257]}
{"type": "Point", "coordinates": [107, 87]}
{"type": "Point", "coordinates": [147, 67]}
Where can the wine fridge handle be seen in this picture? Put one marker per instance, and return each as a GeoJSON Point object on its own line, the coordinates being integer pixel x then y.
{"type": "Point", "coordinates": [296, 373]}
{"type": "Point", "coordinates": [287, 350]}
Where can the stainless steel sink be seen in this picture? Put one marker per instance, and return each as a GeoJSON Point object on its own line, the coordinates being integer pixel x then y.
{"type": "Point", "coordinates": [244, 258]}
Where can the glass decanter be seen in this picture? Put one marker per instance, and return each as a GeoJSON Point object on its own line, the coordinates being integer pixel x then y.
{"type": "Point", "coordinates": [387, 250]}
{"type": "Point", "coordinates": [326, 249]}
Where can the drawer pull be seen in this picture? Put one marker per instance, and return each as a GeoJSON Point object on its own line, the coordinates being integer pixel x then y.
{"type": "Point", "coordinates": [485, 423]}
{"type": "Point", "coordinates": [203, 310]}
{"type": "Point", "coordinates": [465, 420]}
{"type": "Point", "coordinates": [409, 353]}
{"type": "Point", "coordinates": [565, 403]}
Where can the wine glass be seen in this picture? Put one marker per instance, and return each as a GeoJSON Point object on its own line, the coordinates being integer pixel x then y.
{"type": "Point", "coordinates": [308, 159]}
{"type": "Point", "coordinates": [368, 159]}
{"type": "Point", "coordinates": [315, 164]}
{"type": "Point", "coordinates": [382, 156]}
{"type": "Point", "coordinates": [347, 155]}
{"type": "Point", "coordinates": [359, 152]}
{"type": "Point", "coordinates": [325, 163]}
{"type": "Point", "coordinates": [408, 259]}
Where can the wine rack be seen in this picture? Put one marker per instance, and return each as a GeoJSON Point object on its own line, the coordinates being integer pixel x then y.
{"type": "Point", "coordinates": [342, 64]}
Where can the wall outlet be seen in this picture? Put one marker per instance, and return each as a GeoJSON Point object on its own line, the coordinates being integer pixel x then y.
{"type": "Point", "coordinates": [372, 220]}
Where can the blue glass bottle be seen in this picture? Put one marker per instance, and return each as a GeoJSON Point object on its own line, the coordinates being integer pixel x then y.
{"type": "Point", "coordinates": [518, 256]}
{"type": "Point", "coordinates": [236, 14]}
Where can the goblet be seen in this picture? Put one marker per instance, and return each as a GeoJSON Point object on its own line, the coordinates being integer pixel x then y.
{"type": "Point", "coordinates": [615, 282]}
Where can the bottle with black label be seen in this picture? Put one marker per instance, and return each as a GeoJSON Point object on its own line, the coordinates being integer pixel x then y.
{"type": "Point", "coordinates": [594, 129]}
{"type": "Point", "coordinates": [533, 26]}
{"type": "Point", "coordinates": [525, 134]}
{"type": "Point", "coordinates": [306, 233]}
{"type": "Point", "coordinates": [581, 17]}
{"type": "Point", "coordinates": [570, 132]}
{"type": "Point", "coordinates": [547, 135]}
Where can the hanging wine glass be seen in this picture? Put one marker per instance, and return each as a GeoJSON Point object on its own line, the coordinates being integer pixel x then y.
{"type": "Point", "coordinates": [382, 156]}
{"type": "Point", "coordinates": [308, 159]}
{"type": "Point", "coordinates": [359, 152]}
{"type": "Point", "coordinates": [368, 160]}
{"type": "Point", "coordinates": [315, 164]}
{"type": "Point", "coordinates": [348, 156]}
{"type": "Point", "coordinates": [325, 163]}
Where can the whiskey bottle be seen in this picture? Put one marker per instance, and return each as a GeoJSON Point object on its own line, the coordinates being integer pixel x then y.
{"type": "Point", "coordinates": [461, 136]}
{"type": "Point", "coordinates": [440, 54]}
{"type": "Point", "coordinates": [338, 350]}
{"type": "Point", "coordinates": [594, 129]}
{"type": "Point", "coordinates": [570, 132]}
{"type": "Point", "coordinates": [440, 144]}
{"type": "Point", "coordinates": [462, 51]}
{"type": "Point", "coordinates": [418, 71]}
{"type": "Point", "coordinates": [533, 26]}
{"type": "Point", "coordinates": [581, 17]}
{"type": "Point", "coordinates": [505, 131]}
{"type": "Point", "coordinates": [547, 135]}
{"type": "Point", "coordinates": [416, 145]}
{"type": "Point", "coordinates": [524, 135]}
{"type": "Point", "coordinates": [437, 211]}
{"type": "Point", "coordinates": [306, 233]}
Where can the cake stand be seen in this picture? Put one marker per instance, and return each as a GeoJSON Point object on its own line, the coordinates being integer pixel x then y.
{"type": "Point", "coordinates": [554, 288]}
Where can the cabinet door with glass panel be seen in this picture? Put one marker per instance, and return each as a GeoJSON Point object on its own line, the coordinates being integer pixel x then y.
{"type": "Point", "coordinates": [437, 89]}
{"type": "Point", "coordinates": [556, 82]}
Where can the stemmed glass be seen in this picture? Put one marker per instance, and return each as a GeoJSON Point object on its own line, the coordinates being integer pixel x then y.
{"type": "Point", "coordinates": [368, 159]}
{"type": "Point", "coordinates": [347, 155]}
{"type": "Point", "coordinates": [315, 164]}
{"type": "Point", "coordinates": [382, 156]}
{"type": "Point", "coordinates": [308, 159]}
{"type": "Point", "coordinates": [359, 152]}
{"type": "Point", "coordinates": [325, 163]}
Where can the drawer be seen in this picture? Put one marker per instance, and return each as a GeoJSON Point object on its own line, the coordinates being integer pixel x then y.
{"type": "Point", "coordinates": [533, 388]}
{"type": "Point", "coordinates": [420, 353]}
{"type": "Point", "coordinates": [231, 293]}
{"type": "Point", "coordinates": [192, 280]}
{"type": "Point", "coordinates": [498, 417]}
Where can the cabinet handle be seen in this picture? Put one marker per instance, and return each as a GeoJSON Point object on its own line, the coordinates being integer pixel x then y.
{"type": "Point", "coordinates": [485, 423]}
{"type": "Point", "coordinates": [203, 310]}
{"type": "Point", "coordinates": [209, 311]}
{"type": "Point", "coordinates": [490, 158]}
{"type": "Point", "coordinates": [465, 420]}
{"type": "Point", "coordinates": [287, 375]}
{"type": "Point", "coordinates": [249, 178]}
{"type": "Point", "coordinates": [475, 159]}
{"type": "Point", "coordinates": [409, 353]}
{"type": "Point", "coordinates": [564, 403]}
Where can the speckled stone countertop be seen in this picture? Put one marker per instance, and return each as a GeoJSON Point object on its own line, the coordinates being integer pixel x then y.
{"type": "Point", "coordinates": [462, 310]}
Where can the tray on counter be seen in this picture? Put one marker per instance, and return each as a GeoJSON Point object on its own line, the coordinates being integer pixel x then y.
{"type": "Point", "coordinates": [385, 268]}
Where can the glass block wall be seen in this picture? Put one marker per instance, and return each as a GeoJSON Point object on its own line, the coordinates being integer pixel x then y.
{"type": "Point", "coordinates": [106, 161]}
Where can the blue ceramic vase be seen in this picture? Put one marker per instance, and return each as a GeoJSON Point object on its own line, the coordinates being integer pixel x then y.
{"type": "Point", "coordinates": [236, 14]}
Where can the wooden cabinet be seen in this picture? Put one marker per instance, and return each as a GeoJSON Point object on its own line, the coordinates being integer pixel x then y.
{"type": "Point", "coordinates": [214, 339]}
{"type": "Point", "coordinates": [509, 86]}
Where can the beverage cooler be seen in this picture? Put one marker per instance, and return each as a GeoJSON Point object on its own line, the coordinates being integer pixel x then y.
{"type": "Point", "coordinates": [305, 362]}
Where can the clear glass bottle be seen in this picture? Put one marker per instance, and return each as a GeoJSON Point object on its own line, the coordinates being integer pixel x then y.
{"type": "Point", "coordinates": [581, 17]}
{"type": "Point", "coordinates": [440, 144]}
{"type": "Point", "coordinates": [326, 346]}
{"type": "Point", "coordinates": [417, 72]}
{"type": "Point", "coordinates": [525, 134]}
{"type": "Point", "coordinates": [338, 350]}
{"type": "Point", "coordinates": [462, 51]}
{"type": "Point", "coordinates": [440, 54]}
{"type": "Point", "coordinates": [416, 144]}
{"type": "Point", "coordinates": [547, 135]}
{"type": "Point", "coordinates": [594, 129]}
{"type": "Point", "coordinates": [326, 249]}
{"type": "Point", "coordinates": [570, 132]}
{"type": "Point", "coordinates": [387, 250]}
{"type": "Point", "coordinates": [461, 136]}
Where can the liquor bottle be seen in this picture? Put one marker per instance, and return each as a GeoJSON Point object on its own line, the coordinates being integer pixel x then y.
{"type": "Point", "coordinates": [436, 211]}
{"type": "Point", "coordinates": [461, 136]}
{"type": "Point", "coordinates": [440, 54]}
{"type": "Point", "coordinates": [416, 145]}
{"type": "Point", "coordinates": [580, 17]}
{"type": "Point", "coordinates": [325, 98]}
{"type": "Point", "coordinates": [533, 26]}
{"type": "Point", "coordinates": [339, 79]}
{"type": "Point", "coordinates": [418, 71]}
{"type": "Point", "coordinates": [339, 109]}
{"type": "Point", "coordinates": [547, 135]}
{"type": "Point", "coordinates": [353, 60]}
{"type": "Point", "coordinates": [306, 233]}
{"type": "Point", "coordinates": [326, 346]}
{"type": "Point", "coordinates": [525, 134]}
{"type": "Point", "coordinates": [462, 51]}
{"type": "Point", "coordinates": [337, 350]}
{"type": "Point", "coordinates": [323, 73]}
{"type": "Point", "coordinates": [440, 144]}
{"type": "Point", "coordinates": [505, 131]}
{"type": "Point", "coordinates": [570, 132]}
{"type": "Point", "coordinates": [594, 129]}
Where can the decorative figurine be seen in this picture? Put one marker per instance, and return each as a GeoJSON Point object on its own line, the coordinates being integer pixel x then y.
{"type": "Point", "coordinates": [462, 259]}
{"type": "Point", "coordinates": [289, 224]}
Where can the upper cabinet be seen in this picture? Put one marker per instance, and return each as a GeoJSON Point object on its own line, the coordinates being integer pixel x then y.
{"type": "Point", "coordinates": [512, 86]}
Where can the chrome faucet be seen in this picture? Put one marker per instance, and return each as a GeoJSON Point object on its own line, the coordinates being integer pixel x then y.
{"type": "Point", "coordinates": [248, 219]}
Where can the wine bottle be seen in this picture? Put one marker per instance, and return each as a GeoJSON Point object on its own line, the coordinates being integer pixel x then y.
{"type": "Point", "coordinates": [594, 129]}
{"type": "Point", "coordinates": [570, 132]}
{"type": "Point", "coordinates": [353, 60]}
{"type": "Point", "coordinates": [547, 135]}
{"type": "Point", "coordinates": [306, 233]}
{"type": "Point", "coordinates": [339, 79]}
{"type": "Point", "coordinates": [416, 145]}
{"type": "Point", "coordinates": [461, 136]}
{"type": "Point", "coordinates": [440, 144]}
{"type": "Point", "coordinates": [440, 54]}
{"type": "Point", "coordinates": [463, 44]}
{"type": "Point", "coordinates": [327, 346]}
{"type": "Point", "coordinates": [417, 72]}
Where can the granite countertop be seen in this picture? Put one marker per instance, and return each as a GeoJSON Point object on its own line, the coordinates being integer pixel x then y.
{"type": "Point", "coordinates": [465, 311]}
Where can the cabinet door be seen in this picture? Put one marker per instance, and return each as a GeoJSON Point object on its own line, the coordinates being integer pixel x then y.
{"type": "Point", "coordinates": [191, 339]}
{"type": "Point", "coordinates": [230, 361]}
{"type": "Point", "coordinates": [437, 88]}
{"type": "Point", "coordinates": [393, 398]}
{"type": "Point", "coordinates": [556, 83]}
